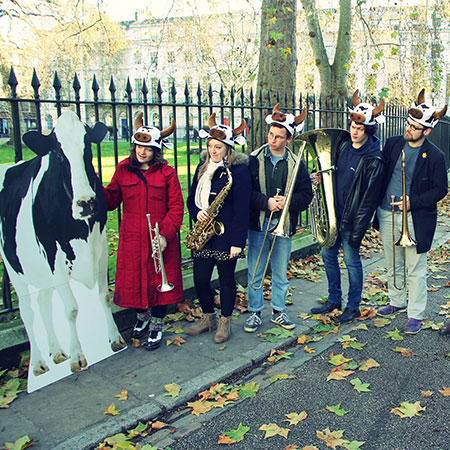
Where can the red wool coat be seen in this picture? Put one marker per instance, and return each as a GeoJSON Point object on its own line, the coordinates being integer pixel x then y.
{"type": "Point", "coordinates": [157, 192]}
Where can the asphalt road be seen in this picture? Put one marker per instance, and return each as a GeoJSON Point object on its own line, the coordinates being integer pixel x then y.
{"type": "Point", "coordinates": [369, 418]}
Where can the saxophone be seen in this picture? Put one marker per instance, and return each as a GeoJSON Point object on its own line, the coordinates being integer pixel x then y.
{"type": "Point", "coordinates": [202, 232]}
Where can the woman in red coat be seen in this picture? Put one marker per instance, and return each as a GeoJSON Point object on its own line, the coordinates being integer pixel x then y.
{"type": "Point", "coordinates": [145, 184]}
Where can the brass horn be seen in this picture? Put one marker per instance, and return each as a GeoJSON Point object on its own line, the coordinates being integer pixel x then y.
{"type": "Point", "coordinates": [405, 240]}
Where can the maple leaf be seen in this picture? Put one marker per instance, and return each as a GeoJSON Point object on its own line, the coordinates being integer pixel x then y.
{"type": "Point", "coordinates": [282, 377]}
{"type": "Point", "coordinates": [303, 339]}
{"type": "Point", "coordinates": [21, 443]}
{"type": "Point", "coordinates": [361, 326]}
{"type": "Point", "coordinates": [304, 316]}
{"type": "Point", "coordinates": [445, 391]}
{"type": "Point", "coordinates": [233, 396]}
{"type": "Point", "coordinates": [368, 364]}
{"type": "Point", "coordinates": [200, 406]}
{"type": "Point", "coordinates": [426, 393]}
{"type": "Point", "coordinates": [136, 343]}
{"type": "Point", "coordinates": [331, 438]}
{"type": "Point", "coordinates": [381, 322]}
{"type": "Point", "coordinates": [367, 313]}
{"type": "Point", "coordinates": [309, 447]}
{"type": "Point", "coordinates": [272, 429]}
{"type": "Point", "coordinates": [359, 386]}
{"type": "Point", "coordinates": [309, 350]}
{"type": "Point", "coordinates": [292, 447]}
{"type": "Point", "coordinates": [177, 340]}
{"type": "Point", "coordinates": [353, 445]}
{"type": "Point", "coordinates": [248, 390]}
{"type": "Point", "coordinates": [158, 425]}
{"type": "Point", "coordinates": [408, 410]}
{"type": "Point", "coordinates": [139, 430]}
{"type": "Point", "coordinates": [173, 389]}
{"type": "Point", "coordinates": [338, 373]}
{"type": "Point", "coordinates": [337, 360]}
{"type": "Point", "coordinates": [404, 351]}
{"type": "Point", "coordinates": [336, 409]}
{"type": "Point", "coordinates": [112, 411]}
{"type": "Point", "coordinates": [122, 396]}
{"type": "Point", "coordinates": [233, 435]}
{"type": "Point", "coordinates": [294, 418]}
{"type": "Point", "coordinates": [394, 335]}
{"type": "Point", "coordinates": [119, 439]}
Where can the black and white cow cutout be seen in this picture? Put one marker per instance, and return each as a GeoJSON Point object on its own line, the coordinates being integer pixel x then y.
{"type": "Point", "coordinates": [53, 242]}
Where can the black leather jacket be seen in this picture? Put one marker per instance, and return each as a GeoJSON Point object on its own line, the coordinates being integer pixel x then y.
{"type": "Point", "coordinates": [363, 197]}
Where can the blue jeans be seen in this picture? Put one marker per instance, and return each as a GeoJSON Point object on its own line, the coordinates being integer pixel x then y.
{"type": "Point", "coordinates": [354, 267]}
{"type": "Point", "coordinates": [278, 263]}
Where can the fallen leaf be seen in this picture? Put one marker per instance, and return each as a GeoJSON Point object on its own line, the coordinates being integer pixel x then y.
{"type": "Point", "coordinates": [112, 411]}
{"type": "Point", "coordinates": [139, 430]}
{"type": "Point", "coordinates": [332, 439]}
{"type": "Point", "coordinates": [200, 406]}
{"type": "Point", "coordinates": [308, 350]}
{"type": "Point", "coordinates": [394, 335]}
{"type": "Point", "coordinates": [21, 443]}
{"type": "Point", "coordinates": [445, 391]}
{"type": "Point", "coordinates": [336, 409]}
{"type": "Point", "coordinates": [404, 351]}
{"type": "Point", "coordinates": [282, 377]}
{"type": "Point", "coordinates": [408, 410]}
{"type": "Point", "coordinates": [353, 445]}
{"type": "Point", "coordinates": [177, 340]}
{"type": "Point", "coordinates": [272, 429]}
{"type": "Point", "coordinates": [339, 374]}
{"type": "Point", "coordinates": [248, 390]}
{"type": "Point", "coordinates": [294, 418]}
{"type": "Point", "coordinates": [359, 386]}
{"type": "Point", "coordinates": [381, 322]}
{"type": "Point", "coordinates": [173, 389]}
{"type": "Point", "coordinates": [368, 364]}
{"type": "Point", "coordinates": [426, 393]}
{"type": "Point", "coordinates": [123, 395]}
{"type": "Point", "coordinates": [158, 425]}
{"type": "Point", "coordinates": [303, 339]}
{"type": "Point", "coordinates": [337, 360]}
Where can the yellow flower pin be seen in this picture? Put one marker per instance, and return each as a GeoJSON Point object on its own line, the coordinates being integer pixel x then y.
{"type": "Point", "coordinates": [424, 155]}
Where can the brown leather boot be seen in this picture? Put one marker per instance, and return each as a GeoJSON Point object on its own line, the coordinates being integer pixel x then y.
{"type": "Point", "coordinates": [445, 330]}
{"type": "Point", "coordinates": [223, 330]}
{"type": "Point", "coordinates": [207, 322]}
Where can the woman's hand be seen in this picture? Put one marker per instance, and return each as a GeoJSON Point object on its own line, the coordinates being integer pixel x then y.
{"type": "Point", "coordinates": [202, 215]}
{"type": "Point", "coordinates": [162, 243]}
{"type": "Point", "coordinates": [316, 178]}
{"type": "Point", "coordinates": [235, 251]}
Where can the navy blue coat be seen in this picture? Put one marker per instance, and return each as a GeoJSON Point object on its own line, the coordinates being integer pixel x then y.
{"type": "Point", "coordinates": [234, 213]}
{"type": "Point", "coordinates": [428, 186]}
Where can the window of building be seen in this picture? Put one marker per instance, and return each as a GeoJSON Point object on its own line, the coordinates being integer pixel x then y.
{"type": "Point", "coordinates": [170, 57]}
{"type": "Point", "coordinates": [154, 58]}
{"type": "Point", "coordinates": [137, 57]}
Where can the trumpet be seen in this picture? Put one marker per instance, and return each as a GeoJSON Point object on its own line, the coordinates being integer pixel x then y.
{"type": "Point", "coordinates": [157, 256]}
{"type": "Point", "coordinates": [405, 240]}
{"type": "Point", "coordinates": [278, 230]}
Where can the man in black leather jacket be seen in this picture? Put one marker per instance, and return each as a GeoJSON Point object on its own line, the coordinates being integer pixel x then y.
{"type": "Point", "coordinates": [357, 181]}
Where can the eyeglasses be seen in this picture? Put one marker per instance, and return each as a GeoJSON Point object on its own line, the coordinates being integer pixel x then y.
{"type": "Point", "coordinates": [408, 124]}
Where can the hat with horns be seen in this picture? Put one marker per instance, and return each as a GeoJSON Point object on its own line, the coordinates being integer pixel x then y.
{"type": "Point", "coordinates": [151, 136]}
{"type": "Point", "coordinates": [425, 113]}
{"type": "Point", "coordinates": [289, 121]}
{"type": "Point", "coordinates": [224, 133]}
{"type": "Point", "coordinates": [365, 113]}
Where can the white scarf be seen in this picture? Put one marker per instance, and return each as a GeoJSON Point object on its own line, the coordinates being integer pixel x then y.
{"type": "Point", "coordinates": [204, 185]}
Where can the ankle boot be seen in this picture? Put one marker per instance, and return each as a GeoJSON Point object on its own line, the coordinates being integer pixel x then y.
{"type": "Point", "coordinates": [223, 330]}
{"type": "Point", "coordinates": [206, 323]}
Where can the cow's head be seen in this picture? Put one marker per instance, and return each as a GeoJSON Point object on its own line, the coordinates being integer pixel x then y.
{"type": "Point", "coordinates": [70, 141]}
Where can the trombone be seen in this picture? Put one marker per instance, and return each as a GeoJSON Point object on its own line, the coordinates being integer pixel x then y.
{"type": "Point", "coordinates": [157, 256]}
{"type": "Point", "coordinates": [278, 230]}
{"type": "Point", "coordinates": [405, 240]}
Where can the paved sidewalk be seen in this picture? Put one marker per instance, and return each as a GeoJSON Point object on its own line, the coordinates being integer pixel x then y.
{"type": "Point", "coordinates": [70, 413]}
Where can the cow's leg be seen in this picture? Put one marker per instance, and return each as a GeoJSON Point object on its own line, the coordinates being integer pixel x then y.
{"type": "Point", "coordinates": [115, 338]}
{"type": "Point", "coordinates": [37, 362]}
{"type": "Point", "coordinates": [46, 308]}
{"type": "Point", "coordinates": [77, 359]}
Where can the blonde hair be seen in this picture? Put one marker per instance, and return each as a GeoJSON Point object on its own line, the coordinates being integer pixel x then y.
{"type": "Point", "coordinates": [207, 159]}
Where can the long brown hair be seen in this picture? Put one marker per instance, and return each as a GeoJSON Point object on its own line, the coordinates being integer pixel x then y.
{"type": "Point", "coordinates": [208, 158]}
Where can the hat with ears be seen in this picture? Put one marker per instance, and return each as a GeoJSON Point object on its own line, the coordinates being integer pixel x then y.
{"type": "Point", "coordinates": [425, 113]}
{"type": "Point", "coordinates": [151, 136]}
{"type": "Point", "coordinates": [224, 133]}
{"type": "Point", "coordinates": [289, 121]}
{"type": "Point", "coordinates": [365, 113]}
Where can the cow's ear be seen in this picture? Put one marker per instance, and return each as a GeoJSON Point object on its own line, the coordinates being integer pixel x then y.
{"type": "Point", "coordinates": [97, 133]}
{"type": "Point", "coordinates": [39, 143]}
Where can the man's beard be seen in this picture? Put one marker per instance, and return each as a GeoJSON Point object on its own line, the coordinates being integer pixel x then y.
{"type": "Point", "coordinates": [410, 138]}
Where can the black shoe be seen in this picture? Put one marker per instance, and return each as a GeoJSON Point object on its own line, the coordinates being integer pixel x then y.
{"type": "Point", "coordinates": [348, 315]}
{"type": "Point", "coordinates": [140, 328]}
{"type": "Point", "coordinates": [325, 308]}
{"type": "Point", "coordinates": [155, 336]}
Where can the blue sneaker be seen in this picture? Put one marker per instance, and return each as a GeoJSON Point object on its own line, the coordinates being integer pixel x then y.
{"type": "Point", "coordinates": [413, 326]}
{"type": "Point", "coordinates": [390, 310]}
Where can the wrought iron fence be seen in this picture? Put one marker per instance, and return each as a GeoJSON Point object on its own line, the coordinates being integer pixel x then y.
{"type": "Point", "coordinates": [18, 115]}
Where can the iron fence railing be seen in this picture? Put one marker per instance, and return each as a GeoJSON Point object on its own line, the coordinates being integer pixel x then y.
{"type": "Point", "coordinates": [18, 115]}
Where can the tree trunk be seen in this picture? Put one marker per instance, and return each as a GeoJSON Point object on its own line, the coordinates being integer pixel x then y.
{"type": "Point", "coordinates": [277, 58]}
{"type": "Point", "coordinates": [333, 77]}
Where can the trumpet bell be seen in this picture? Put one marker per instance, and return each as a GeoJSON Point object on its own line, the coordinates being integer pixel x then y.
{"type": "Point", "coordinates": [165, 287]}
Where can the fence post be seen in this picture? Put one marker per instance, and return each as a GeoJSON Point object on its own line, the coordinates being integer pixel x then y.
{"type": "Point", "coordinates": [12, 81]}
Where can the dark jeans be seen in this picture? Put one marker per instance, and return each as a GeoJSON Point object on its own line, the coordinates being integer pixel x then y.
{"type": "Point", "coordinates": [203, 268]}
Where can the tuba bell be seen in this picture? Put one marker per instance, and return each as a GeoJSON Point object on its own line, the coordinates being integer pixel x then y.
{"type": "Point", "coordinates": [323, 146]}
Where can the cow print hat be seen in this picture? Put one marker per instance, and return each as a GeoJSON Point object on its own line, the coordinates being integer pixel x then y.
{"type": "Point", "coordinates": [151, 136]}
{"type": "Point", "coordinates": [425, 113]}
{"type": "Point", "coordinates": [289, 121]}
{"type": "Point", "coordinates": [365, 113]}
{"type": "Point", "coordinates": [224, 133]}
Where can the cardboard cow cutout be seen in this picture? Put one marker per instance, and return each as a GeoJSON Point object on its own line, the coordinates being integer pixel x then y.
{"type": "Point", "coordinates": [53, 242]}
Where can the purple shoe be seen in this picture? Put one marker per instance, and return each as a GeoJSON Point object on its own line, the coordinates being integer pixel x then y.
{"type": "Point", "coordinates": [413, 326]}
{"type": "Point", "coordinates": [390, 310]}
